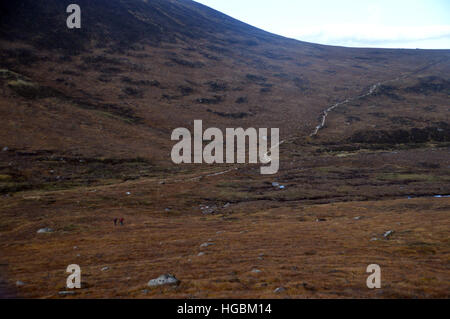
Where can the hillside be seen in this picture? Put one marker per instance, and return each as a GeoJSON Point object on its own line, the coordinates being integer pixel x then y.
{"type": "Point", "coordinates": [86, 117]}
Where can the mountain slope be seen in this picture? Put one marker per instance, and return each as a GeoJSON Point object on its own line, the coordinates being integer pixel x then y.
{"type": "Point", "coordinates": [136, 70]}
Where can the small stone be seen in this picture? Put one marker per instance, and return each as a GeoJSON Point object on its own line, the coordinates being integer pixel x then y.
{"type": "Point", "coordinates": [45, 230]}
{"type": "Point", "coordinates": [128, 193]}
{"type": "Point", "coordinates": [256, 271]}
{"type": "Point", "coordinates": [208, 211]}
{"type": "Point", "coordinates": [5, 149]}
{"type": "Point", "coordinates": [275, 184]}
{"type": "Point", "coordinates": [65, 293]}
{"type": "Point", "coordinates": [388, 234]}
{"type": "Point", "coordinates": [279, 290]}
{"type": "Point", "coordinates": [20, 283]}
{"type": "Point", "coordinates": [321, 220]}
{"type": "Point", "coordinates": [105, 268]}
{"type": "Point", "coordinates": [166, 279]}
{"type": "Point", "coordinates": [201, 254]}
{"type": "Point", "coordinates": [206, 245]}
{"type": "Point", "coordinates": [373, 239]}
{"type": "Point", "coordinates": [357, 218]}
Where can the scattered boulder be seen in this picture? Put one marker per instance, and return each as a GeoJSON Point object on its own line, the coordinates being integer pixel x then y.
{"type": "Point", "coordinates": [279, 290]}
{"type": "Point", "coordinates": [388, 234]}
{"type": "Point", "coordinates": [105, 268]}
{"type": "Point", "coordinates": [357, 218]}
{"type": "Point", "coordinates": [208, 211]}
{"type": "Point", "coordinates": [45, 230]}
{"type": "Point", "coordinates": [166, 279]}
{"type": "Point", "coordinates": [206, 245]}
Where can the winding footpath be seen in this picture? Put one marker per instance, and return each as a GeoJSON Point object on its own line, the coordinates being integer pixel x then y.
{"type": "Point", "coordinates": [372, 89]}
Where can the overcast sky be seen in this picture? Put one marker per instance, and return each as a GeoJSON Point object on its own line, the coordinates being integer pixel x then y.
{"type": "Point", "coordinates": [358, 23]}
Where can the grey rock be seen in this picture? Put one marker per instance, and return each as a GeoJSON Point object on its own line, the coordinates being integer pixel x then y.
{"type": "Point", "coordinates": [206, 245]}
{"type": "Point", "coordinates": [5, 149]}
{"type": "Point", "coordinates": [279, 290]}
{"type": "Point", "coordinates": [105, 268]}
{"type": "Point", "coordinates": [45, 230]}
{"type": "Point", "coordinates": [166, 279]}
{"type": "Point", "coordinates": [208, 211]}
{"type": "Point", "coordinates": [275, 184]}
{"type": "Point", "coordinates": [256, 271]}
{"type": "Point", "coordinates": [20, 283]}
{"type": "Point", "coordinates": [66, 292]}
{"type": "Point", "coordinates": [388, 234]}
{"type": "Point", "coordinates": [201, 254]}
{"type": "Point", "coordinates": [357, 218]}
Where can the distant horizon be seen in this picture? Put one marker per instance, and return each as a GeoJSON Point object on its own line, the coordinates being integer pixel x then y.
{"type": "Point", "coordinates": [414, 24]}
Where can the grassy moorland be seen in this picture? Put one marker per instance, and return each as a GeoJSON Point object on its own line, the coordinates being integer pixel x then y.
{"type": "Point", "coordinates": [86, 120]}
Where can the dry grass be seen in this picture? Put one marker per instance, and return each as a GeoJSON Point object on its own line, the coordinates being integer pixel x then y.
{"type": "Point", "coordinates": [311, 259]}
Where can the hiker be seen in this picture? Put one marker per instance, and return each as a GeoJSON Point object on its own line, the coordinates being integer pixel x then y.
{"type": "Point", "coordinates": [121, 221]}
{"type": "Point", "coordinates": [115, 221]}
